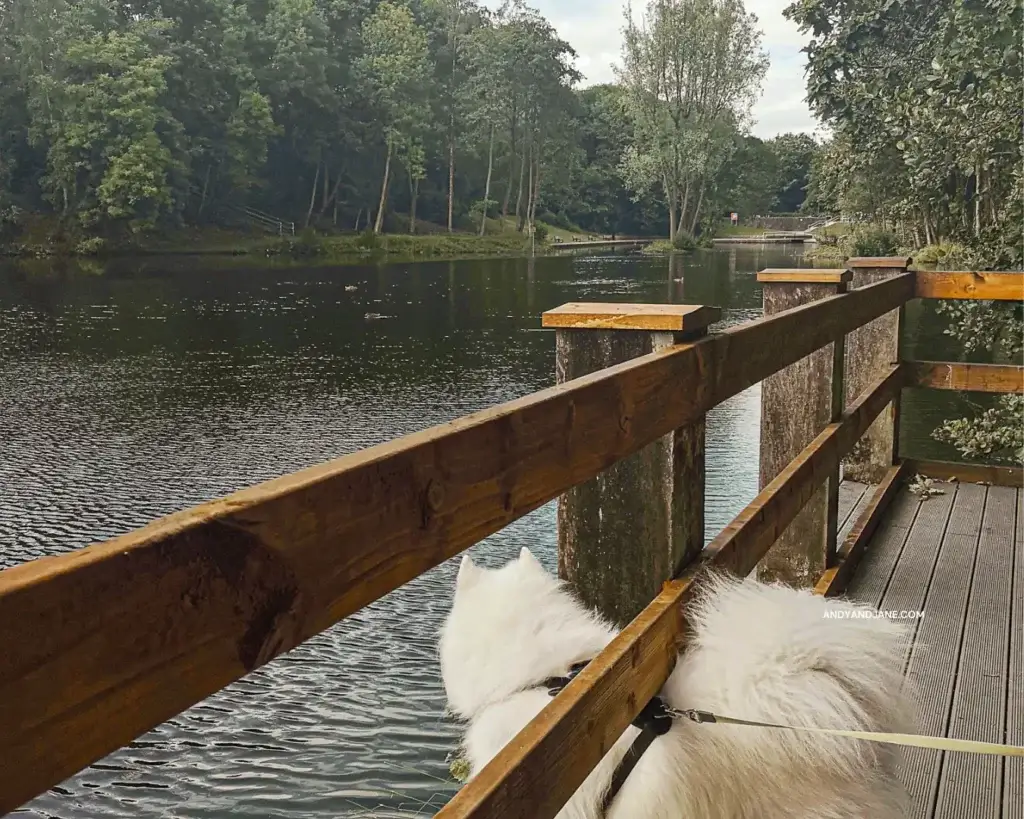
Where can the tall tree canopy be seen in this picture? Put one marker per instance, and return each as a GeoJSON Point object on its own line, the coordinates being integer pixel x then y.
{"type": "Point", "coordinates": [121, 116]}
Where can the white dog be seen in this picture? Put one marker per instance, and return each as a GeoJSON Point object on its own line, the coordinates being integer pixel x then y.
{"type": "Point", "coordinates": [757, 652]}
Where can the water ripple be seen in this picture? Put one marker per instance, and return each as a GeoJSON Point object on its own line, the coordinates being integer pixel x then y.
{"type": "Point", "coordinates": [144, 391]}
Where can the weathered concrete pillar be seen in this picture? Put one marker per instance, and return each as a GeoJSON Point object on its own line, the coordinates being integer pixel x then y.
{"type": "Point", "coordinates": [870, 351]}
{"type": "Point", "coordinates": [638, 523]}
{"type": "Point", "coordinates": [797, 403]}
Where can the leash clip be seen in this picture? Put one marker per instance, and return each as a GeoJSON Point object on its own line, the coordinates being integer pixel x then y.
{"type": "Point", "coordinates": [694, 715]}
{"type": "Point", "coordinates": [555, 685]}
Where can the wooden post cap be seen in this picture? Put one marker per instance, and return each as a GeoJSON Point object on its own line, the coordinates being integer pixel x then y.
{"type": "Point", "coordinates": [610, 316]}
{"type": "Point", "coordinates": [879, 261]}
{"type": "Point", "coordinates": [828, 275]}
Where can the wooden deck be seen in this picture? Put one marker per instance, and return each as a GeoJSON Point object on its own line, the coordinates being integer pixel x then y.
{"type": "Point", "coordinates": [959, 558]}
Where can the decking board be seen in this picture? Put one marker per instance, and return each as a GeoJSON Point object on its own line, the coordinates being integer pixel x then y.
{"type": "Point", "coordinates": [1013, 767]}
{"type": "Point", "coordinates": [872, 576]}
{"type": "Point", "coordinates": [853, 497]}
{"type": "Point", "coordinates": [959, 558]}
{"type": "Point", "coordinates": [851, 494]}
{"type": "Point", "coordinates": [970, 784]}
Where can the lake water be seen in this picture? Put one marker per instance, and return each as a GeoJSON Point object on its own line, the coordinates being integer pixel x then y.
{"type": "Point", "coordinates": [130, 392]}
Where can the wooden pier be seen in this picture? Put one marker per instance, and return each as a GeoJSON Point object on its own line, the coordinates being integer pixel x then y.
{"type": "Point", "coordinates": [958, 557]}
{"type": "Point", "coordinates": [103, 644]}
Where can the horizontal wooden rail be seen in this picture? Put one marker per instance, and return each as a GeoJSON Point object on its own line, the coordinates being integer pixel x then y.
{"type": "Point", "coordinates": [104, 643]}
{"type": "Point", "coordinates": [836, 578]}
{"type": "Point", "coordinates": [949, 375]}
{"type": "Point", "coordinates": [970, 285]}
{"type": "Point", "coordinates": [544, 764]}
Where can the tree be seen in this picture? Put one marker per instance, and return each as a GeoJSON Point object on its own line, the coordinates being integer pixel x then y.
{"type": "Point", "coordinates": [924, 103]}
{"type": "Point", "coordinates": [393, 66]}
{"type": "Point", "coordinates": [793, 155]}
{"type": "Point", "coordinates": [114, 148]}
{"type": "Point", "coordinates": [692, 69]}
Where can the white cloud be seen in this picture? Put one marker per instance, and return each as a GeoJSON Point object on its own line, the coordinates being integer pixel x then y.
{"type": "Point", "coordinates": [594, 29]}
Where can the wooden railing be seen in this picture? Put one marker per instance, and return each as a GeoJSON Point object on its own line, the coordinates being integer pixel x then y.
{"type": "Point", "coordinates": [102, 644]}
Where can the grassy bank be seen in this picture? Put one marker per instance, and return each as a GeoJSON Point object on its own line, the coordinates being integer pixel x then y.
{"type": "Point", "coordinates": [306, 246]}
{"type": "Point", "coordinates": [41, 237]}
{"type": "Point", "coordinates": [400, 247]}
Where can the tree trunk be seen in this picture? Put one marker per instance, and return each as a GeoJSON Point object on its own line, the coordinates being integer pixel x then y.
{"type": "Point", "coordinates": [324, 202]}
{"type": "Point", "coordinates": [519, 196]}
{"type": "Point", "coordinates": [454, 39]}
{"type": "Point", "coordinates": [206, 185]}
{"type": "Point", "coordinates": [414, 192]}
{"type": "Point", "coordinates": [977, 199]}
{"type": "Point", "coordinates": [672, 218]}
{"type": "Point", "coordinates": [451, 172]}
{"type": "Point", "coordinates": [536, 191]}
{"type": "Point", "coordinates": [333, 197]}
{"type": "Point", "coordinates": [383, 191]}
{"type": "Point", "coordinates": [684, 205]}
{"type": "Point", "coordinates": [696, 211]}
{"type": "Point", "coordinates": [511, 170]}
{"type": "Point", "coordinates": [487, 185]}
{"type": "Point", "coordinates": [359, 215]}
{"type": "Point", "coordinates": [312, 195]}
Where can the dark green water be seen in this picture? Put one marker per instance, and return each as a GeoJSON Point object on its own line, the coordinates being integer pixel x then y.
{"type": "Point", "coordinates": [158, 385]}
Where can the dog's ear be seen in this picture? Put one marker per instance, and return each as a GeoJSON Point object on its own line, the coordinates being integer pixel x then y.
{"type": "Point", "coordinates": [468, 573]}
{"type": "Point", "coordinates": [526, 556]}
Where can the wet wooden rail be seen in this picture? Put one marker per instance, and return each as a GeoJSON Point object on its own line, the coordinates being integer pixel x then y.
{"type": "Point", "coordinates": [102, 644]}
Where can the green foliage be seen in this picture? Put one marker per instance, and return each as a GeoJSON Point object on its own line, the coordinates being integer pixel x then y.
{"type": "Point", "coordinates": [941, 253]}
{"type": "Point", "coordinates": [91, 246]}
{"type": "Point", "coordinates": [368, 241]}
{"type": "Point", "coordinates": [793, 156]}
{"type": "Point", "coordinates": [126, 119]}
{"type": "Point", "coordinates": [691, 72]}
{"type": "Point", "coordinates": [306, 245]}
{"type": "Point", "coordinates": [658, 248]}
{"type": "Point", "coordinates": [996, 434]}
{"type": "Point", "coordinates": [924, 104]}
{"type": "Point", "coordinates": [872, 241]}
{"type": "Point", "coordinates": [684, 240]}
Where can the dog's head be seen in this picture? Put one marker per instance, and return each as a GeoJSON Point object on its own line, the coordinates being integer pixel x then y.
{"type": "Point", "coordinates": [508, 629]}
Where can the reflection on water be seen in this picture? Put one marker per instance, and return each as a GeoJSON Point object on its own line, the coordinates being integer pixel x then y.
{"type": "Point", "coordinates": [155, 386]}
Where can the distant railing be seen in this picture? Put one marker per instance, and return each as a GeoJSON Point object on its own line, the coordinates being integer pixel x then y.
{"type": "Point", "coordinates": [266, 222]}
{"type": "Point", "coordinates": [104, 643]}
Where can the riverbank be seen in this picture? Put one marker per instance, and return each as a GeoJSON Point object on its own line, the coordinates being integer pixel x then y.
{"type": "Point", "coordinates": [306, 247]}
{"type": "Point", "coordinates": [40, 240]}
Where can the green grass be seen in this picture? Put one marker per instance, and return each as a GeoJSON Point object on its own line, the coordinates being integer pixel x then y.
{"type": "Point", "coordinates": [727, 231]}
{"type": "Point", "coordinates": [826, 255]}
{"type": "Point", "coordinates": [508, 225]}
{"type": "Point", "coordinates": [658, 248]}
{"type": "Point", "coordinates": [938, 254]}
{"type": "Point", "coordinates": [443, 246]}
{"type": "Point", "coordinates": [838, 229]}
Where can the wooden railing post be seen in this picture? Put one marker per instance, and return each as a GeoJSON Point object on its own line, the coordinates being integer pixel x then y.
{"type": "Point", "coordinates": [639, 522]}
{"type": "Point", "coordinates": [797, 403]}
{"type": "Point", "coordinates": [871, 350]}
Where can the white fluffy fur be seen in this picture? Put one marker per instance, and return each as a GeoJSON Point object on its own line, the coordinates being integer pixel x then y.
{"type": "Point", "coordinates": [761, 652]}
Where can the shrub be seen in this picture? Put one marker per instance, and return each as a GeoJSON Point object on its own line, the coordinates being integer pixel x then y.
{"type": "Point", "coordinates": [684, 240]}
{"type": "Point", "coordinates": [91, 246]}
{"type": "Point", "coordinates": [368, 240]}
{"type": "Point", "coordinates": [874, 242]}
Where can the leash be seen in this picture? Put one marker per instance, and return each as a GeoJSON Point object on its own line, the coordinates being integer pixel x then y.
{"type": "Point", "coordinates": [910, 740]}
{"type": "Point", "coordinates": [654, 721]}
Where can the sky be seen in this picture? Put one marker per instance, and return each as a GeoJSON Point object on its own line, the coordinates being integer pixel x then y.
{"type": "Point", "coordinates": [594, 29]}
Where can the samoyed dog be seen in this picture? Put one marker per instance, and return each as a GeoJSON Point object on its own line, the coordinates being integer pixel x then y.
{"type": "Point", "coordinates": [757, 652]}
